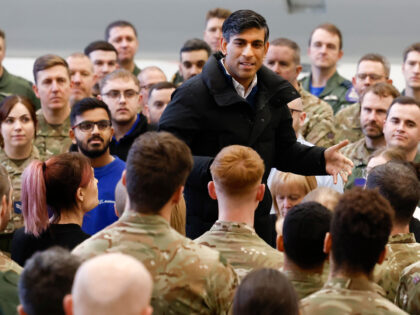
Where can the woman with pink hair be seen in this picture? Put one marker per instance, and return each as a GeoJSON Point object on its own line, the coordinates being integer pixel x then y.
{"type": "Point", "coordinates": [55, 196]}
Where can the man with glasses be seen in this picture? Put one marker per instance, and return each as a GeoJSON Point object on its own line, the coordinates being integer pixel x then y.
{"type": "Point", "coordinates": [120, 91]}
{"type": "Point", "coordinates": [371, 69]}
{"type": "Point", "coordinates": [91, 131]}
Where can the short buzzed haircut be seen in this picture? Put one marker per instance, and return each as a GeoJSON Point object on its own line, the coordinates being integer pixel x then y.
{"type": "Point", "coordinates": [285, 42]}
{"type": "Point", "coordinates": [403, 100]}
{"type": "Point", "coordinates": [48, 61]}
{"type": "Point", "coordinates": [194, 45]}
{"type": "Point", "coordinates": [118, 74]}
{"type": "Point", "coordinates": [161, 86]}
{"type": "Point", "coordinates": [360, 228]}
{"type": "Point", "coordinates": [99, 45]}
{"type": "Point", "coordinates": [412, 47]}
{"type": "Point", "coordinates": [158, 164]}
{"type": "Point", "coordinates": [237, 169]}
{"type": "Point", "coordinates": [242, 20]}
{"type": "Point", "coordinates": [381, 89]}
{"type": "Point", "coordinates": [304, 230]}
{"type": "Point", "coordinates": [219, 13]}
{"type": "Point", "coordinates": [119, 23]}
{"type": "Point", "coordinates": [330, 28]}
{"type": "Point", "coordinates": [46, 279]}
{"type": "Point", "coordinates": [377, 58]}
{"type": "Point", "coordinates": [111, 283]}
{"type": "Point", "coordinates": [326, 196]}
{"type": "Point", "coordinates": [398, 183]}
{"type": "Point", "coordinates": [86, 104]}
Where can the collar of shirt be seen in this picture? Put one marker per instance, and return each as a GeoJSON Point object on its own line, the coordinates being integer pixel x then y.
{"type": "Point", "coordinates": [239, 87]}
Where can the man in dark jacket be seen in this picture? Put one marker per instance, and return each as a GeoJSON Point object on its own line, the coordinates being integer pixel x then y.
{"type": "Point", "coordinates": [235, 100]}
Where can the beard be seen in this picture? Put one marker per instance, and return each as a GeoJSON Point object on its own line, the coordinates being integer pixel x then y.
{"type": "Point", "coordinates": [93, 152]}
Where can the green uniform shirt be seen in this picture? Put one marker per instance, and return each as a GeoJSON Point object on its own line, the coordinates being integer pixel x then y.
{"type": "Point", "coordinates": [6, 263]}
{"type": "Point", "coordinates": [347, 124]}
{"type": "Point", "coordinates": [402, 251]}
{"type": "Point", "coordinates": [335, 92]}
{"type": "Point", "coordinates": [188, 278]}
{"type": "Point", "coordinates": [408, 292]}
{"type": "Point", "coordinates": [15, 173]}
{"type": "Point", "coordinates": [14, 85]}
{"type": "Point", "coordinates": [52, 139]}
{"type": "Point", "coordinates": [318, 127]}
{"type": "Point", "coordinates": [136, 70]}
{"type": "Point", "coordinates": [347, 296]}
{"type": "Point", "coordinates": [241, 246]}
{"type": "Point", "coordinates": [9, 299]}
{"type": "Point", "coordinates": [304, 283]}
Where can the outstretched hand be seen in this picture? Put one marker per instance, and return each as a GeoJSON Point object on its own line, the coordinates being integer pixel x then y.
{"type": "Point", "coordinates": [336, 163]}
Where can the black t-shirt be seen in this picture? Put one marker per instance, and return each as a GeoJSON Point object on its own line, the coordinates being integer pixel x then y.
{"type": "Point", "coordinates": [64, 235]}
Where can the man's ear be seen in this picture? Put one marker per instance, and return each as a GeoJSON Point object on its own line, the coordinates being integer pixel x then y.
{"type": "Point", "coordinates": [382, 256]}
{"type": "Point", "coordinates": [177, 195]}
{"type": "Point", "coordinates": [260, 192]}
{"type": "Point", "coordinates": [68, 304]}
{"type": "Point", "coordinates": [353, 81]}
{"type": "Point", "coordinates": [298, 70]}
{"type": "Point", "coordinates": [72, 136]}
{"type": "Point", "coordinates": [212, 190]}
{"type": "Point", "coordinates": [279, 243]}
{"type": "Point", "coordinates": [223, 46]}
{"type": "Point", "coordinates": [80, 194]}
{"type": "Point", "coordinates": [35, 89]}
{"type": "Point", "coordinates": [147, 310]}
{"type": "Point", "coordinates": [124, 178]}
{"type": "Point", "coordinates": [327, 243]}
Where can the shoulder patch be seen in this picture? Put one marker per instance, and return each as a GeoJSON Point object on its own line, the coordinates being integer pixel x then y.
{"type": "Point", "coordinates": [351, 95]}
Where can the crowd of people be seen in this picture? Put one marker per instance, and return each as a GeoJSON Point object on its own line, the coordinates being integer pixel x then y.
{"type": "Point", "coordinates": [232, 188]}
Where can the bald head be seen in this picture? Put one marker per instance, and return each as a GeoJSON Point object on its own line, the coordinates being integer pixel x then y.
{"type": "Point", "coordinates": [112, 284]}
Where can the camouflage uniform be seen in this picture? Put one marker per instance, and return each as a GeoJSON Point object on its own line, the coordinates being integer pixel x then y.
{"type": "Point", "coordinates": [347, 124]}
{"type": "Point", "coordinates": [304, 283]}
{"type": "Point", "coordinates": [337, 91]}
{"type": "Point", "coordinates": [13, 85]}
{"type": "Point", "coordinates": [402, 251]}
{"type": "Point", "coordinates": [347, 296]}
{"type": "Point", "coordinates": [15, 172]}
{"type": "Point", "coordinates": [6, 263]}
{"type": "Point", "coordinates": [408, 292]}
{"type": "Point", "coordinates": [52, 139]}
{"type": "Point", "coordinates": [319, 123]}
{"type": "Point", "coordinates": [241, 246]}
{"type": "Point", "coordinates": [188, 278]}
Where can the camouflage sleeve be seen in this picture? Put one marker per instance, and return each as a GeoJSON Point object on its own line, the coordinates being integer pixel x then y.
{"type": "Point", "coordinates": [92, 247]}
{"type": "Point", "coordinates": [319, 128]}
{"type": "Point", "coordinates": [408, 292]}
{"type": "Point", "coordinates": [221, 283]}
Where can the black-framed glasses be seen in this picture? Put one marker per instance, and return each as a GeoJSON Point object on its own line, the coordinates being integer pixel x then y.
{"type": "Point", "coordinates": [88, 126]}
{"type": "Point", "coordinates": [292, 110]}
{"type": "Point", "coordinates": [115, 94]}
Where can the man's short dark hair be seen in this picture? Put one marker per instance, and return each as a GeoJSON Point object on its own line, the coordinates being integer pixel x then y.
{"type": "Point", "coordinates": [330, 28]}
{"type": "Point", "coordinates": [46, 279]}
{"type": "Point", "coordinates": [398, 183]}
{"type": "Point", "coordinates": [195, 44]}
{"type": "Point", "coordinates": [158, 163]}
{"type": "Point", "coordinates": [360, 227]}
{"type": "Point", "coordinates": [219, 13]}
{"type": "Point", "coordinates": [265, 291]}
{"type": "Point", "coordinates": [88, 103]}
{"type": "Point", "coordinates": [242, 20]}
{"type": "Point", "coordinates": [161, 86]}
{"type": "Point", "coordinates": [381, 89]}
{"type": "Point", "coordinates": [285, 42]}
{"type": "Point", "coordinates": [412, 47]}
{"type": "Point", "coordinates": [48, 61]}
{"type": "Point", "coordinates": [403, 100]}
{"type": "Point", "coordinates": [304, 230]}
{"type": "Point", "coordinates": [119, 23]}
{"type": "Point", "coordinates": [99, 45]}
{"type": "Point", "coordinates": [377, 58]}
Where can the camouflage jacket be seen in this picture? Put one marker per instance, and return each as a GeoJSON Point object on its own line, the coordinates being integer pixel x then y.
{"type": "Point", "coordinates": [358, 152]}
{"type": "Point", "coordinates": [304, 283]}
{"type": "Point", "coordinates": [15, 173]}
{"type": "Point", "coordinates": [402, 251]}
{"type": "Point", "coordinates": [241, 246]}
{"type": "Point", "coordinates": [408, 292]}
{"type": "Point", "coordinates": [347, 296]}
{"type": "Point", "coordinates": [347, 124]}
{"type": "Point", "coordinates": [188, 278]}
{"type": "Point", "coordinates": [337, 91]}
{"type": "Point", "coordinates": [318, 127]}
{"type": "Point", "coordinates": [6, 263]}
{"type": "Point", "coordinates": [51, 139]}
